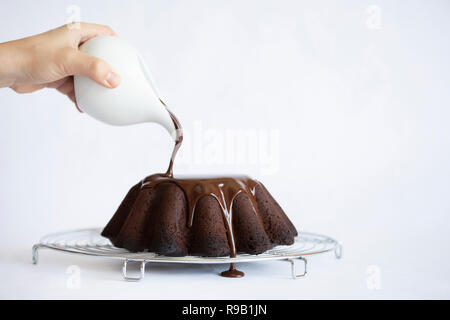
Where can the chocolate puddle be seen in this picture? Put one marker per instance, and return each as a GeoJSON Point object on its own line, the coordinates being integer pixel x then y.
{"type": "Point", "coordinates": [232, 272]}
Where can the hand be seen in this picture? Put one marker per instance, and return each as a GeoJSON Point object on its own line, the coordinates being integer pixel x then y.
{"type": "Point", "coordinates": [50, 59]}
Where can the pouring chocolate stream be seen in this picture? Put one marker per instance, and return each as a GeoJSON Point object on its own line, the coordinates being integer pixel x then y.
{"type": "Point", "coordinates": [223, 189]}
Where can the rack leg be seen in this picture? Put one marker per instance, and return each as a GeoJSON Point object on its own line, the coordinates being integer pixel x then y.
{"type": "Point", "coordinates": [125, 275]}
{"type": "Point", "coordinates": [338, 251]}
{"type": "Point", "coordinates": [294, 275]}
{"type": "Point", "coordinates": [34, 253]}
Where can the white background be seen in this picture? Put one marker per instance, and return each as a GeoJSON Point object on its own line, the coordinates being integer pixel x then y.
{"type": "Point", "coordinates": [358, 96]}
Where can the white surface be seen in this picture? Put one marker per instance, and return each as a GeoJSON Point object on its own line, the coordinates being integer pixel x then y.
{"type": "Point", "coordinates": [359, 107]}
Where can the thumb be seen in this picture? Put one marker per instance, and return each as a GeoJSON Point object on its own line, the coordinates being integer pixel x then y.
{"type": "Point", "coordinates": [81, 63]}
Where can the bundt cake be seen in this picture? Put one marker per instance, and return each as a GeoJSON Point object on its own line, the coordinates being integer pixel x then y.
{"type": "Point", "coordinates": [209, 217]}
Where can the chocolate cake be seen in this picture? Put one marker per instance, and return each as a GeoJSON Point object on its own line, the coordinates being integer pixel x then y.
{"type": "Point", "coordinates": [199, 216]}
{"type": "Point", "coordinates": [209, 217]}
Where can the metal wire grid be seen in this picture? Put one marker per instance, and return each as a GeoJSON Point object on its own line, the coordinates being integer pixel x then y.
{"type": "Point", "coordinates": [90, 242]}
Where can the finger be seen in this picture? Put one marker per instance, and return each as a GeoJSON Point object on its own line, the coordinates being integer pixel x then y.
{"type": "Point", "coordinates": [56, 84]}
{"type": "Point", "coordinates": [27, 88]}
{"type": "Point", "coordinates": [91, 30]}
{"type": "Point", "coordinates": [78, 108]}
{"type": "Point", "coordinates": [72, 97]}
{"type": "Point", "coordinates": [66, 86]}
{"type": "Point", "coordinates": [80, 63]}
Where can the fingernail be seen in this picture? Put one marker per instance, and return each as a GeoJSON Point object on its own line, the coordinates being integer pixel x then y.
{"type": "Point", "coordinates": [78, 108]}
{"type": "Point", "coordinates": [112, 79]}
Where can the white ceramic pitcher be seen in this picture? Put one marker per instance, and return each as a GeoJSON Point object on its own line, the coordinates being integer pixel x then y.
{"type": "Point", "coordinates": [135, 100]}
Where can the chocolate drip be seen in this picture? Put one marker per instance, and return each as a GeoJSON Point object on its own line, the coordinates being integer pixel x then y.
{"type": "Point", "coordinates": [178, 141]}
{"type": "Point", "coordinates": [224, 190]}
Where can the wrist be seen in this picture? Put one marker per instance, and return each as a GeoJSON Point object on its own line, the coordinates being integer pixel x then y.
{"type": "Point", "coordinates": [12, 63]}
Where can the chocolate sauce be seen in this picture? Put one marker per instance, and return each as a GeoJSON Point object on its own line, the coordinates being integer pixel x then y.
{"type": "Point", "coordinates": [232, 272]}
{"type": "Point", "coordinates": [178, 140]}
{"type": "Point", "coordinates": [224, 189]}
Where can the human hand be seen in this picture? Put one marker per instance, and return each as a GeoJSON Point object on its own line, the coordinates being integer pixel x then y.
{"type": "Point", "coordinates": [50, 59]}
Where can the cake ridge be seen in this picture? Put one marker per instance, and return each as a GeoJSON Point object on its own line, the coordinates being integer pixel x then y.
{"type": "Point", "coordinates": [243, 217]}
{"type": "Point", "coordinates": [223, 189]}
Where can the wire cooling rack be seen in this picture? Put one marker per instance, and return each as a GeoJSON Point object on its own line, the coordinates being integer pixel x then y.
{"type": "Point", "coordinates": [90, 242]}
